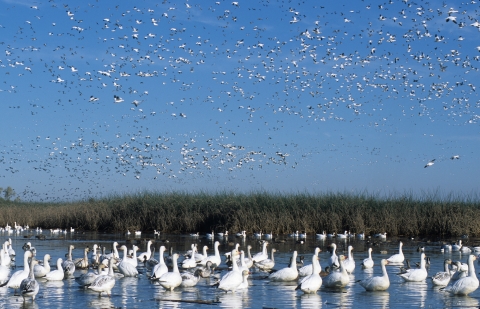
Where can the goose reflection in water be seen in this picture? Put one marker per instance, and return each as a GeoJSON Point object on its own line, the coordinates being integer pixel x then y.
{"type": "Point", "coordinates": [312, 301]}
{"type": "Point", "coordinates": [239, 299]}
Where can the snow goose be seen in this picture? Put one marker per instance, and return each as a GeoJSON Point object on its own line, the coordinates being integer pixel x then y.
{"type": "Point", "coordinates": [307, 269]}
{"type": "Point", "coordinates": [312, 282]}
{"type": "Point", "coordinates": [460, 271]}
{"type": "Point", "coordinates": [377, 283]}
{"type": "Point", "coordinates": [260, 256]}
{"type": "Point", "coordinates": [29, 287]}
{"type": "Point", "coordinates": [104, 283]}
{"type": "Point", "coordinates": [82, 263]}
{"type": "Point", "coordinates": [231, 280]}
{"type": "Point", "coordinates": [210, 235]}
{"type": "Point", "coordinates": [337, 279]}
{"type": "Point", "coordinates": [4, 272]}
{"type": "Point", "coordinates": [442, 278]}
{"type": "Point", "coordinates": [68, 265]}
{"type": "Point", "coordinates": [266, 264]}
{"type": "Point", "coordinates": [322, 236]}
{"type": "Point", "coordinates": [132, 259]}
{"type": "Point", "coordinates": [147, 254]}
{"type": "Point", "coordinates": [248, 260]}
{"type": "Point", "coordinates": [6, 259]}
{"type": "Point", "coordinates": [87, 279]}
{"type": "Point", "coordinates": [95, 258]}
{"type": "Point", "coordinates": [418, 274]}
{"type": "Point", "coordinates": [457, 246]}
{"type": "Point", "coordinates": [333, 260]}
{"type": "Point", "coordinates": [199, 257]}
{"type": "Point", "coordinates": [465, 285]}
{"type": "Point", "coordinates": [242, 265]}
{"type": "Point", "coordinates": [289, 273]}
{"type": "Point", "coordinates": [215, 259]}
{"type": "Point", "coordinates": [189, 279]}
{"type": "Point", "coordinates": [126, 268]}
{"type": "Point", "coordinates": [40, 271]}
{"type": "Point", "coordinates": [19, 275]}
{"type": "Point", "coordinates": [342, 236]}
{"type": "Point", "coordinates": [368, 262]}
{"type": "Point", "coordinates": [161, 267]}
{"type": "Point", "coordinates": [397, 258]}
{"type": "Point", "coordinates": [172, 279]}
{"type": "Point", "coordinates": [191, 261]}
{"type": "Point", "coordinates": [57, 274]}
{"type": "Point", "coordinates": [349, 263]}
{"type": "Point", "coordinates": [244, 284]}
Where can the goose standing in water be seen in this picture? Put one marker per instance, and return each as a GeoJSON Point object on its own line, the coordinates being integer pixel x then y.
{"type": "Point", "coordinates": [215, 259]}
{"type": "Point", "coordinates": [267, 264]}
{"type": "Point", "coordinates": [82, 263]}
{"type": "Point", "coordinates": [378, 283]}
{"type": "Point", "coordinates": [4, 272]}
{"type": "Point", "coordinates": [87, 279]}
{"type": "Point", "coordinates": [333, 260]}
{"type": "Point", "coordinates": [418, 274]}
{"type": "Point", "coordinates": [104, 283]}
{"type": "Point", "coordinates": [189, 279]}
{"type": "Point", "coordinates": [307, 269]}
{"type": "Point", "coordinates": [261, 255]}
{"type": "Point", "coordinates": [442, 278]}
{"type": "Point", "coordinates": [244, 284]}
{"type": "Point", "coordinates": [29, 287]}
{"type": "Point", "coordinates": [337, 279]}
{"type": "Point", "coordinates": [18, 276]}
{"type": "Point", "coordinates": [161, 267]}
{"type": "Point", "coordinates": [465, 285]}
{"type": "Point", "coordinates": [368, 262]}
{"type": "Point", "coordinates": [289, 273]}
{"type": "Point", "coordinates": [231, 280]}
{"type": "Point", "coordinates": [312, 282]}
{"type": "Point", "coordinates": [397, 258]}
{"type": "Point", "coordinates": [248, 260]}
{"type": "Point", "coordinates": [68, 265]}
{"type": "Point", "coordinates": [57, 274]}
{"type": "Point", "coordinates": [126, 268]}
{"type": "Point", "coordinates": [147, 254]}
{"type": "Point", "coordinates": [349, 263]}
{"type": "Point", "coordinates": [172, 279]}
{"type": "Point", "coordinates": [40, 271]}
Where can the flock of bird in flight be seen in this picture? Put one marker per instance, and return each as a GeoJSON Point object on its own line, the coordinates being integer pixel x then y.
{"type": "Point", "coordinates": [168, 91]}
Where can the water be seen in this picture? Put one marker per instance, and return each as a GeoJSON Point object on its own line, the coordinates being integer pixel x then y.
{"type": "Point", "coordinates": [141, 293]}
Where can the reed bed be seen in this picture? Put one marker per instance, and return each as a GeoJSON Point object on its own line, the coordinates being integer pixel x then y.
{"type": "Point", "coordinates": [278, 213]}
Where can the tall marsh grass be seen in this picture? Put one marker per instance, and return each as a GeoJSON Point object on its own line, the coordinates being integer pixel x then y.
{"type": "Point", "coordinates": [277, 213]}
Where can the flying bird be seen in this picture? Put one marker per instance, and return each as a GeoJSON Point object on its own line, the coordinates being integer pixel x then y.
{"type": "Point", "coordinates": [430, 163]}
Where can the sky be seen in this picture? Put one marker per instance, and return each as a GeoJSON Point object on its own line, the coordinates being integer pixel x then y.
{"type": "Point", "coordinates": [104, 98]}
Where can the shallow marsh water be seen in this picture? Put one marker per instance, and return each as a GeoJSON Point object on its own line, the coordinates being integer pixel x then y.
{"type": "Point", "coordinates": [141, 293]}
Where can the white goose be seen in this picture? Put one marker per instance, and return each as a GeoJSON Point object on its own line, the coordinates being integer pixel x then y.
{"type": "Point", "coordinates": [199, 257]}
{"type": "Point", "coordinates": [189, 279]}
{"type": "Point", "coordinates": [337, 279]}
{"type": "Point", "coordinates": [57, 274]}
{"type": "Point", "coordinates": [378, 283]}
{"type": "Point", "coordinates": [68, 265]}
{"type": "Point", "coordinates": [244, 284]}
{"type": "Point", "coordinates": [190, 262]}
{"type": "Point", "coordinates": [104, 283]}
{"type": "Point", "coordinates": [322, 236]}
{"type": "Point", "coordinates": [94, 259]}
{"type": "Point", "coordinates": [418, 274]}
{"type": "Point", "coordinates": [333, 260]}
{"type": "Point", "coordinates": [7, 260]}
{"type": "Point", "coordinates": [82, 263]}
{"type": "Point", "coordinates": [289, 273]}
{"type": "Point", "coordinates": [145, 255]}
{"type": "Point", "coordinates": [29, 287]}
{"type": "Point", "coordinates": [312, 282]}
{"type": "Point", "coordinates": [368, 262]}
{"type": "Point", "coordinates": [4, 272]}
{"type": "Point", "coordinates": [307, 269]}
{"type": "Point", "coordinates": [261, 255]}
{"type": "Point", "coordinates": [465, 285]}
{"type": "Point", "coordinates": [126, 268]}
{"type": "Point", "coordinates": [267, 264]}
{"type": "Point", "coordinates": [349, 263]}
{"type": "Point", "coordinates": [231, 280]}
{"type": "Point", "coordinates": [40, 271]}
{"type": "Point", "coordinates": [215, 259]}
{"type": "Point", "coordinates": [242, 265]}
{"type": "Point", "coordinates": [19, 275]}
{"type": "Point", "coordinates": [397, 258]}
{"type": "Point", "coordinates": [161, 268]}
{"type": "Point", "coordinates": [87, 279]}
{"type": "Point", "coordinates": [249, 259]}
{"type": "Point", "coordinates": [132, 259]}
{"type": "Point", "coordinates": [172, 279]}
{"type": "Point", "coordinates": [442, 278]}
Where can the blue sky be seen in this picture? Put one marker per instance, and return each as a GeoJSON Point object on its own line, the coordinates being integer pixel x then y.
{"type": "Point", "coordinates": [238, 96]}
